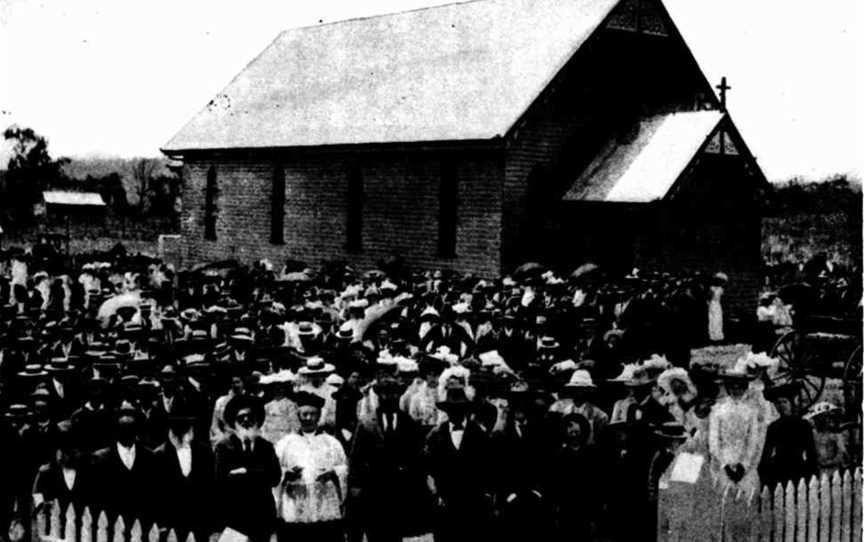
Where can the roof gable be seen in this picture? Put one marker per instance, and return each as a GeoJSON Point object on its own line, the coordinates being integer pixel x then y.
{"type": "Point", "coordinates": [647, 167]}
{"type": "Point", "coordinates": [455, 72]}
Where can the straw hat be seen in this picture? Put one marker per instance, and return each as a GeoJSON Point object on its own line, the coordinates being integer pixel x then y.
{"type": "Point", "coordinates": [580, 379]}
{"type": "Point", "coordinates": [316, 366]}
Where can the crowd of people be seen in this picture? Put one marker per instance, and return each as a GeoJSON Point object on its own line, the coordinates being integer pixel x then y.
{"type": "Point", "coordinates": [334, 404]}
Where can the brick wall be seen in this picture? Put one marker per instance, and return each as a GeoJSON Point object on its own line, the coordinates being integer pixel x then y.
{"type": "Point", "coordinates": [399, 216]}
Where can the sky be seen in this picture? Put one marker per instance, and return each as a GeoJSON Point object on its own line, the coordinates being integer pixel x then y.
{"type": "Point", "coordinates": [120, 77]}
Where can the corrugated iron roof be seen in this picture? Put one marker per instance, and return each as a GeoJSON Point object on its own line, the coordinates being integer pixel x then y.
{"type": "Point", "coordinates": [67, 197]}
{"type": "Point", "coordinates": [455, 72]}
{"type": "Point", "coordinates": [645, 169]}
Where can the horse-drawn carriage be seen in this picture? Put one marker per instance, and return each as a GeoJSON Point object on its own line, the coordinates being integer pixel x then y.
{"type": "Point", "coordinates": [819, 347]}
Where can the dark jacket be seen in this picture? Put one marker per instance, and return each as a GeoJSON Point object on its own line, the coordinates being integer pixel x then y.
{"type": "Point", "coordinates": [789, 453]}
{"type": "Point", "coordinates": [246, 500]}
{"type": "Point", "coordinates": [51, 484]}
{"type": "Point", "coordinates": [186, 502]}
{"type": "Point", "coordinates": [121, 491]}
{"type": "Point", "coordinates": [387, 468]}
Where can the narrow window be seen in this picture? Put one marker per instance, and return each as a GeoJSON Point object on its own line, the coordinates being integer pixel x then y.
{"type": "Point", "coordinates": [277, 206]}
{"type": "Point", "coordinates": [211, 194]}
{"type": "Point", "coordinates": [354, 219]}
{"type": "Point", "coordinates": [448, 202]}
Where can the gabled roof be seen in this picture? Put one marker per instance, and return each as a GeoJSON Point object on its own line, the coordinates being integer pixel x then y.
{"type": "Point", "coordinates": [66, 197]}
{"type": "Point", "coordinates": [646, 168]}
{"type": "Point", "coordinates": [455, 72]}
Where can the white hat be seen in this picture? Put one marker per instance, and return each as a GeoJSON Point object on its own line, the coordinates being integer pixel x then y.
{"type": "Point", "coordinates": [580, 379]}
{"type": "Point", "coordinates": [406, 365]}
{"type": "Point", "coordinates": [315, 366]}
{"type": "Point", "coordinates": [676, 373]}
{"type": "Point", "coordinates": [335, 380]}
{"type": "Point", "coordinates": [280, 377]}
{"type": "Point", "coordinates": [460, 308]}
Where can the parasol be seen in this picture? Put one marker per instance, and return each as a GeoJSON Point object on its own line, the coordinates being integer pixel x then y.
{"type": "Point", "coordinates": [583, 270]}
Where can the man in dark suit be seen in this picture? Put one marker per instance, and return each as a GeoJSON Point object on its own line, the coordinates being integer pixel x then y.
{"type": "Point", "coordinates": [386, 479]}
{"type": "Point", "coordinates": [66, 477]}
{"type": "Point", "coordinates": [124, 473]}
{"type": "Point", "coordinates": [186, 480]}
{"type": "Point", "coordinates": [246, 471]}
{"type": "Point", "coordinates": [448, 334]}
{"type": "Point", "coordinates": [457, 456]}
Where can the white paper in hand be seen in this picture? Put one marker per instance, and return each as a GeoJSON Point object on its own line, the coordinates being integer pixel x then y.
{"type": "Point", "coordinates": [687, 468]}
{"type": "Point", "coordinates": [230, 535]}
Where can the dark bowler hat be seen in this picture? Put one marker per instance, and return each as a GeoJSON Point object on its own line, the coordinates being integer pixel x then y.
{"type": "Point", "coordinates": [788, 390]}
{"type": "Point", "coordinates": [455, 400]}
{"type": "Point", "coordinates": [306, 398]}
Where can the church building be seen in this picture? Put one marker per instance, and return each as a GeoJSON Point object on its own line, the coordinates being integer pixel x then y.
{"type": "Point", "coordinates": [477, 136]}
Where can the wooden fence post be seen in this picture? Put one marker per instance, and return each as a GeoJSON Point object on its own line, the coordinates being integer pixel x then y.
{"type": "Point", "coordinates": [824, 508]}
{"type": "Point", "coordinates": [846, 518]}
{"type": "Point", "coordinates": [102, 527]}
{"type": "Point", "coordinates": [119, 534]}
{"type": "Point", "coordinates": [813, 514]}
{"type": "Point", "coordinates": [836, 504]}
{"type": "Point", "coordinates": [86, 526]}
{"type": "Point", "coordinates": [54, 531]}
{"type": "Point", "coordinates": [856, 507]}
{"type": "Point", "coordinates": [172, 536]}
{"type": "Point", "coordinates": [765, 510]}
{"type": "Point", "coordinates": [153, 535]}
{"type": "Point", "coordinates": [790, 513]}
{"type": "Point", "coordinates": [801, 512]}
{"type": "Point", "coordinates": [779, 514]}
{"type": "Point", "coordinates": [135, 533]}
{"type": "Point", "coordinates": [70, 531]}
{"type": "Point", "coordinates": [41, 527]}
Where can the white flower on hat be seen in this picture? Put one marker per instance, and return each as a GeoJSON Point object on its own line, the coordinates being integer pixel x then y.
{"type": "Point", "coordinates": [656, 362]}
{"type": "Point", "coordinates": [282, 376]}
{"type": "Point", "coordinates": [460, 308]}
{"type": "Point", "coordinates": [676, 373]}
{"type": "Point", "coordinates": [820, 409]}
{"type": "Point", "coordinates": [335, 380]}
{"type": "Point", "coordinates": [406, 365]}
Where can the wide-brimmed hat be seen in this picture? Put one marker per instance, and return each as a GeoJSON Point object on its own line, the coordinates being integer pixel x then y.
{"type": "Point", "coordinates": [671, 430]}
{"type": "Point", "coordinates": [17, 411]}
{"type": "Point", "coordinates": [345, 333]}
{"type": "Point", "coordinates": [387, 382]}
{"type": "Point", "coordinates": [240, 402]}
{"type": "Point", "coordinates": [59, 366]}
{"type": "Point", "coordinates": [580, 379]}
{"type": "Point", "coordinates": [33, 371]}
{"type": "Point", "coordinates": [738, 373]}
{"type": "Point", "coordinates": [308, 329]}
{"type": "Point", "coordinates": [822, 408]}
{"type": "Point", "coordinates": [455, 400]}
{"type": "Point", "coordinates": [548, 343]}
{"type": "Point", "coordinates": [315, 366]}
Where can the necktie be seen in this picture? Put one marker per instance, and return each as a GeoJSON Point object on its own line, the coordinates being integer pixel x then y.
{"type": "Point", "coordinates": [247, 447]}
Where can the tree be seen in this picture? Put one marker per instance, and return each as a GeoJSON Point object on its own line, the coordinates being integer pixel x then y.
{"type": "Point", "coordinates": [142, 171]}
{"type": "Point", "coordinates": [30, 170]}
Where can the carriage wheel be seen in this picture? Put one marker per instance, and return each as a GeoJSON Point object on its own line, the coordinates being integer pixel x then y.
{"type": "Point", "coordinates": [795, 359]}
{"type": "Point", "coordinates": [852, 385]}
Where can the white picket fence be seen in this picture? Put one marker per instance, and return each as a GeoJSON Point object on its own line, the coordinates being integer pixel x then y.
{"type": "Point", "coordinates": [822, 509]}
{"type": "Point", "coordinates": [54, 525]}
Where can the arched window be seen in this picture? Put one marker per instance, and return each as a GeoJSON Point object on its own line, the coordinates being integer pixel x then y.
{"type": "Point", "coordinates": [277, 206]}
{"type": "Point", "coordinates": [211, 195]}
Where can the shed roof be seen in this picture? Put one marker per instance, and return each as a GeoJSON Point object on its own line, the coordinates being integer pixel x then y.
{"type": "Point", "coordinates": [647, 167]}
{"type": "Point", "coordinates": [67, 197]}
{"type": "Point", "coordinates": [462, 71]}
